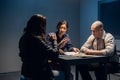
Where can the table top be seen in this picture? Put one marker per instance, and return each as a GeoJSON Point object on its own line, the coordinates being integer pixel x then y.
{"type": "Point", "coordinates": [74, 60]}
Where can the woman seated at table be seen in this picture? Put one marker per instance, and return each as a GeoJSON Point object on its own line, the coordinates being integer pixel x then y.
{"type": "Point", "coordinates": [63, 43]}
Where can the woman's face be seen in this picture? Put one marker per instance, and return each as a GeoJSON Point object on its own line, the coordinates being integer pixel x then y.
{"type": "Point", "coordinates": [62, 29]}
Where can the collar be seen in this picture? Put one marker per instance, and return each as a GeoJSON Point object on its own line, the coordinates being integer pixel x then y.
{"type": "Point", "coordinates": [104, 34]}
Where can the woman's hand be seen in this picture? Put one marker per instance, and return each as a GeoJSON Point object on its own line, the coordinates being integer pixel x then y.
{"type": "Point", "coordinates": [60, 51]}
{"type": "Point", "coordinates": [63, 42]}
{"type": "Point", "coordinates": [53, 36]}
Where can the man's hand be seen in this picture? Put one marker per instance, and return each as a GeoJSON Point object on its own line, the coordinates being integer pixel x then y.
{"type": "Point", "coordinates": [87, 51]}
{"type": "Point", "coordinates": [76, 50]}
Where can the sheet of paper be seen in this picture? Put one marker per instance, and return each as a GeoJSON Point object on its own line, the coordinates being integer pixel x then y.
{"type": "Point", "coordinates": [79, 54]}
{"type": "Point", "coordinates": [84, 55]}
{"type": "Point", "coordinates": [71, 53]}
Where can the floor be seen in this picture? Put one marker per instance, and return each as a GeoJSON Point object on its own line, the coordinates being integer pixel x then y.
{"type": "Point", "coordinates": [10, 76]}
{"type": "Point", "coordinates": [114, 77]}
{"type": "Point", "coordinates": [16, 75]}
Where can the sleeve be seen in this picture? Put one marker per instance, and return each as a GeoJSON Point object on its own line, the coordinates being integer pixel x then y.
{"type": "Point", "coordinates": [45, 47]}
{"type": "Point", "coordinates": [109, 44]}
{"type": "Point", "coordinates": [50, 42]}
{"type": "Point", "coordinates": [88, 43]}
{"type": "Point", "coordinates": [69, 44]}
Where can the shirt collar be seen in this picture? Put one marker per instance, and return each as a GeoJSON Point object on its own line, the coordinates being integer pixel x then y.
{"type": "Point", "coordinates": [104, 33]}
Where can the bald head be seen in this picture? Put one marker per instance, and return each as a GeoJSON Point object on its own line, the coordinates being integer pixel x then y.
{"type": "Point", "coordinates": [97, 29]}
{"type": "Point", "coordinates": [97, 25]}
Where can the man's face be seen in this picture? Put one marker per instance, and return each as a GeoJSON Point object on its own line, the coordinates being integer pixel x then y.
{"type": "Point", "coordinates": [97, 32]}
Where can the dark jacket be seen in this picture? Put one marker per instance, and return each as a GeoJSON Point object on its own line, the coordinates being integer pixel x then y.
{"type": "Point", "coordinates": [34, 53]}
{"type": "Point", "coordinates": [67, 47]}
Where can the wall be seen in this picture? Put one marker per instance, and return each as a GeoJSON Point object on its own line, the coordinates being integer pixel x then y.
{"type": "Point", "coordinates": [14, 15]}
{"type": "Point", "coordinates": [88, 14]}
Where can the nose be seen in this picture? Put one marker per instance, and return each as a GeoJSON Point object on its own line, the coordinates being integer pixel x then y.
{"type": "Point", "coordinates": [62, 29]}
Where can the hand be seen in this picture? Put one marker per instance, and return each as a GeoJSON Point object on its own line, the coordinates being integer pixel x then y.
{"type": "Point", "coordinates": [53, 36]}
{"type": "Point", "coordinates": [60, 51]}
{"type": "Point", "coordinates": [63, 42]}
{"type": "Point", "coordinates": [94, 52]}
{"type": "Point", "coordinates": [88, 51]}
{"type": "Point", "coordinates": [76, 50]}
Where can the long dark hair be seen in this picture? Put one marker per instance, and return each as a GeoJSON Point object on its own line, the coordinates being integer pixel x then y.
{"type": "Point", "coordinates": [36, 25]}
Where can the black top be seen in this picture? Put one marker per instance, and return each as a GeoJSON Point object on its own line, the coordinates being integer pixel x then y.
{"type": "Point", "coordinates": [34, 53]}
{"type": "Point", "coordinates": [67, 47]}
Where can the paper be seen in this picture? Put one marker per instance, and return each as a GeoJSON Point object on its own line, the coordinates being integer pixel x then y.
{"type": "Point", "coordinates": [71, 53]}
{"type": "Point", "coordinates": [79, 54]}
{"type": "Point", "coordinates": [84, 55]}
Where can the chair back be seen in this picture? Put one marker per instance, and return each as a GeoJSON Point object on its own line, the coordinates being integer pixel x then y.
{"type": "Point", "coordinates": [114, 57]}
{"type": "Point", "coordinates": [113, 65]}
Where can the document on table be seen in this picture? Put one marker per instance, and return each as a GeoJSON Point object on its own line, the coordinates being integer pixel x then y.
{"type": "Point", "coordinates": [71, 53]}
{"type": "Point", "coordinates": [79, 54]}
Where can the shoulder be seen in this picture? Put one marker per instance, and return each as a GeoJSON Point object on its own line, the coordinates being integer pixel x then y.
{"type": "Point", "coordinates": [66, 35]}
{"type": "Point", "coordinates": [91, 38]}
{"type": "Point", "coordinates": [109, 36]}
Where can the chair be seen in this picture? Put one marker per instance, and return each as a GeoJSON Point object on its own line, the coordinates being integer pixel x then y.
{"type": "Point", "coordinates": [115, 68]}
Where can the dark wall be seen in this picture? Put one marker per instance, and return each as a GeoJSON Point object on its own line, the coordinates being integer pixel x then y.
{"type": "Point", "coordinates": [109, 14]}
{"type": "Point", "coordinates": [14, 15]}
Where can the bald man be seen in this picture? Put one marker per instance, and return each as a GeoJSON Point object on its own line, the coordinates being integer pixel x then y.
{"type": "Point", "coordinates": [99, 43]}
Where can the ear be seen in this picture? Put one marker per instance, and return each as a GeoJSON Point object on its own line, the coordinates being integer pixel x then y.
{"type": "Point", "coordinates": [101, 29]}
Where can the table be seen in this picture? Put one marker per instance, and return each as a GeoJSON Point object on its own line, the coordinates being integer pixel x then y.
{"type": "Point", "coordinates": [76, 60]}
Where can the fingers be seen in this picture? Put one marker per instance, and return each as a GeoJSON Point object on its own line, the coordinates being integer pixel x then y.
{"type": "Point", "coordinates": [61, 51]}
{"type": "Point", "coordinates": [76, 50]}
{"type": "Point", "coordinates": [53, 36]}
{"type": "Point", "coordinates": [65, 40]}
